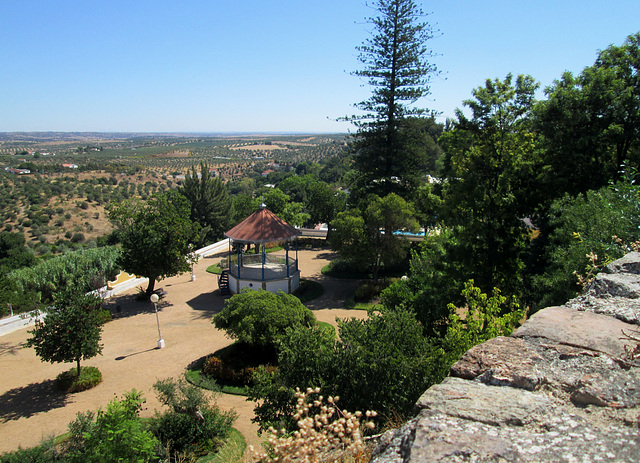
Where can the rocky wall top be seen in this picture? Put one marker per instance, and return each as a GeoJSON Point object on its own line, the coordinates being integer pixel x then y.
{"type": "Point", "coordinates": [559, 389]}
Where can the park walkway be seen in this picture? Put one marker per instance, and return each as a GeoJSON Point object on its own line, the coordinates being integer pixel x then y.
{"type": "Point", "coordinates": [30, 407]}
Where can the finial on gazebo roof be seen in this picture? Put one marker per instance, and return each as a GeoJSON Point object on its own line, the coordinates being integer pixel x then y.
{"type": "Point", "coordinates": [263, 206]}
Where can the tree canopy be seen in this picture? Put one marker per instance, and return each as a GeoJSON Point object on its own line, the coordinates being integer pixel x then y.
{"type": "Point", "coordinates": [396, 64]}
{"type": "Point", "coordinates": [72, 329]}
{"type": "Point", "coordinates": [260, 318]}
{"type": "Point", "coordinates": [368, 237]}
{"type": "Point", "coordinates": [210, 203]}
{"type": "Point", "coordinates": [156, 236]}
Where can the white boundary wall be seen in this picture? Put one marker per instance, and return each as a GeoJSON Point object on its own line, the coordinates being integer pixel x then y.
{"type": "Point", "coordinates": [16, 322]}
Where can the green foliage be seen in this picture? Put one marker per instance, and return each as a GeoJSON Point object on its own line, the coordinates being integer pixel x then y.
{"type": "Point", "coordinates": [308, 290]}
{"type": "Point", "coordinates": [69, 381]}
{"type": "Point", "coordinates": [44, 453]}
{"type": "Point", "coordinates": [71, 331]}
{"type": "Point", "coordinates": [596, 222]}
{"type": "Point", "coordinates": [85, 270]}
{"type": "Point", "coordinates": [210, 203]}
{"type": "Point", "coordinates": [492, 160]}
{"type": "Point", "coordinates": [367, 237]}
{"type": "Point", "coordinates": [156, 236]}
{"type": "Point", "coordinates": [370, 290]}
{"type": "Point", "coordinates": [243, 206]}
{"type": "Point", "coordinates": [192, 426]}
{"type": "Point", "coordinates": [432, 282]}
{"type": "Point", "coordinates": [383, 363]}
{"type": "Point", "coordinates": [13, 252]}
{"type": "Point", "coordinates": [591, 122]}
{"type": "Point", "coordinates": [261, 317]}
{"type": "Point", "coordinates": [231, 452]}
{"type": "Point", "coordinates": [485, 317]}
{"type": "Point", "coordinates": [115, 435]}
{"type": "Point", "coordinates": [279, 203]}
{"type": "Point", "coordinates": [396, 66]}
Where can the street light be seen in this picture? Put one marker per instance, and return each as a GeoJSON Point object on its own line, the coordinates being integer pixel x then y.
{"type": "Point", "coordinates": [154, 298]}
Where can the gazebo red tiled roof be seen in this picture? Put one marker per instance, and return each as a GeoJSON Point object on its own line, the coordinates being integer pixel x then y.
{"type": "Point", "coordinates": [263, 226]}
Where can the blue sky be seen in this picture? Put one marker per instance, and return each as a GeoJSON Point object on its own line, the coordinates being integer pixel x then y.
{"type": "Point", "coordinates": [264, 66]}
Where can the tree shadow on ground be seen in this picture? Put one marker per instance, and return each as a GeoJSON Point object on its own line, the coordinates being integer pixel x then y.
{"type": "Point", "coordinates": [336, 292]}
{"type": "Point", "coordinates": [207, 304]}
{"type": "Point", "coordinates": [128, 306]}
{"type": "Point", "coordinates": [26, 401]}
{"type": "Point", "coordinates": [328, 255]}
{"type": "Point", "coordinates": [7, 348]}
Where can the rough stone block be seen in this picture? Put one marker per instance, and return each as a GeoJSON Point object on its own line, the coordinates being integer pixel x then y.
{"type": "Point", "coordinates": [586, 330]}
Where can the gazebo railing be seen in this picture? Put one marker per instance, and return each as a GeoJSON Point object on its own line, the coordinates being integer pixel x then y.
{"type": "Point", "coordinates": [252, 268]}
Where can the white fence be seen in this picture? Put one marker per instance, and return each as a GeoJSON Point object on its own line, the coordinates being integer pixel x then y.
{"type": "Point", "coordinates": [16, 322]}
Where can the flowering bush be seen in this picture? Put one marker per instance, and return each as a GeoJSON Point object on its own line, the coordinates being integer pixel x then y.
{"type": "Point", "coordinates": [330, 434]}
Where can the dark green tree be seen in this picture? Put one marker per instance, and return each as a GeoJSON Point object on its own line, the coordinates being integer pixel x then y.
{"type": "Point", "coordinates": [490, 187]}
{"type": "Point", "coordinates": [210, 203]}
{"type": "Point", "coordinates": [324, 203]}
{"type": "Point", "coordinates": [13, 252]}
{"type": "Point", "coordinates": [367, 238]}
{"type": "Point", "coordinates": [156, 236]}
{"type": "Point", "coordinates": [243, 206]}
{"type": "Point", "coordinates": [591, 122]}
{"type": "Point", "coordinates": [260, 318]}
{"type": "Point", "coordinates": [72, 329]}
{"type": "Point", "coordinates": [396, 66]}
{"type": "Point", "coordinates": [382, 363]}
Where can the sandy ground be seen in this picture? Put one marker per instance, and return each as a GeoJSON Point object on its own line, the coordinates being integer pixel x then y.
{"type": "Point", "coordinates": [31, 409]}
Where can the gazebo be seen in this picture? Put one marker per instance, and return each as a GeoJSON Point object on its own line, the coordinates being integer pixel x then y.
{"type": "Point", "coordinates": [272, 272]}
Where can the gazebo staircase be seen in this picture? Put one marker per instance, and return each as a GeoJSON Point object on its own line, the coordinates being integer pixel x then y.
{"type": "Point", "coordinates": [223, 282]}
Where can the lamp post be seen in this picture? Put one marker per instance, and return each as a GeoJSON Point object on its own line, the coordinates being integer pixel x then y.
{"type": "Point", "coordinates": [154, 298]}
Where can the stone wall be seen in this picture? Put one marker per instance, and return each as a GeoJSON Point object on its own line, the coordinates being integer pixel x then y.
{"type": "Point", "coordinates": [559, 389]}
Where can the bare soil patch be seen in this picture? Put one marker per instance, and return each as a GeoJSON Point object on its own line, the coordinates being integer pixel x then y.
{"type": "Point", "coordinates": [31, 409]}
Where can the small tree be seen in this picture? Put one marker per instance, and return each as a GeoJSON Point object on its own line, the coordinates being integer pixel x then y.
{"type": "Point", "coordinates": [260, 318]}
{"type": "Point", "coordinates": [367, 237]}
{"type": "Point", "coordinates": [155, 236]}
{"type": "Point", "coordinates": [112, 435]}
{"type": "Point", "coordinates": [71, 331]}
{"type": "Point", "coordinates": [193, 425]}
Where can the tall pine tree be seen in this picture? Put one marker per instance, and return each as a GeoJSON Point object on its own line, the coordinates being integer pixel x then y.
{"type": "Point", "coordinates": [396, 66]}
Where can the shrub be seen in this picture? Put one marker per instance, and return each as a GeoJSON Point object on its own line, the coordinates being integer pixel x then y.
{"type": "Point", "coordinates": [69, 381]}
{"type": "Point", "coordinates": [44, 453]}
{"type": "Point", "coordinates": [331, 434]}
{"type": "Point", "coordinates": [383, 362]}
{"type": "Point", "coordinates": [192, 426]}
{"type": "Point", "coordinates": [222, 370]}
{"type": "Point", "coordinates": [116, 434]}
{"type": "Point", "coordinates": [77, 237]}
{"type": "Point", "coordinates": [260, 318]}
{"type": "Point", "coordinates": [370, 290]}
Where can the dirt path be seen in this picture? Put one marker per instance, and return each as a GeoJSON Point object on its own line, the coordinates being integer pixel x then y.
{"type": "Point", "coordinates": [30, 407]}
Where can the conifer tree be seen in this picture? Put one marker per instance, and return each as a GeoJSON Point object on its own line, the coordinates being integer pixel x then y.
{"type": "Point", "coordinates": [210, 203]}
{"type": "Point", "coordinates": [397, 67]}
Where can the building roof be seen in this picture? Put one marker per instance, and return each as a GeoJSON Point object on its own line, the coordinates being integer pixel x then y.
{"type": "Point", "coordinates": [263, 226]}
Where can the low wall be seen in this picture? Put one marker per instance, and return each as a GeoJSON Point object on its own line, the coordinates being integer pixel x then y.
{"type": "Point", "coordinates": [287, 285]}
{"type": "Point", "coordinates": [9, 324]}
{"type": "Point", "coordinates": [559, 389]}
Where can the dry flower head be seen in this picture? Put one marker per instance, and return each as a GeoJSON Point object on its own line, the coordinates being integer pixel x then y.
{"type": "Point", "coordinates": [319, 437]}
